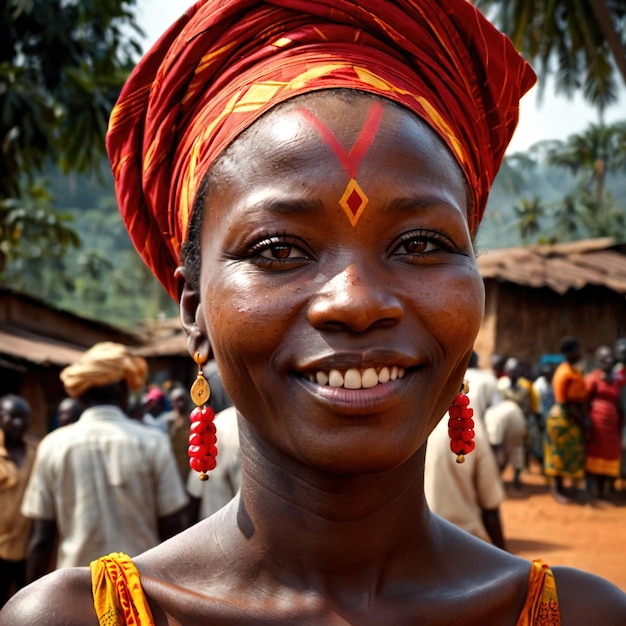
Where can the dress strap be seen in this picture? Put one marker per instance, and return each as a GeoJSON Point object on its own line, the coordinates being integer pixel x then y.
{"type": "Point", "coordinates": [117, 594]}
{"type": "Point", "coordinates": [542, 603]}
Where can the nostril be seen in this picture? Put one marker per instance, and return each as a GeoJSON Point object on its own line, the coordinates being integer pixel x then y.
{"type": "Point", "coordinates": [354, 313]}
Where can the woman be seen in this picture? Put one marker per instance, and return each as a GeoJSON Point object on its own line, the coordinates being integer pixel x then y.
{"type": "Point", "coordinates": [604, 445]}
{"type": "Point", "coordinates": [327, 165]}
{"type": "Point", "coordinates": [564, 450]}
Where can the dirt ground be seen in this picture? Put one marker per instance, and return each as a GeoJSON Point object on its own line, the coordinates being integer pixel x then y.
{"type": "Point", "coordinates": [591, 537]}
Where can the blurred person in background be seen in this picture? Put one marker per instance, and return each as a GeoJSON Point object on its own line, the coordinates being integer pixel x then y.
{"type": "Point", "coordinates": [516, 386]}
{"type": "Point", "coordinates": [176, 421]}
{"type": "Point", "coordinates": [603, 451]}
{"type": "Point", "coordinates": [543, 388]}
{"type": "Point", "coordinates": [105, 483]}
{"type": "Point", "coordinates": [68, 411]}
{"type": "Point", "coordinates": [153, 407]}
{"type": "Point", "coordinates": [564, 449]}
{"type": "Point", "coordinates": [506, 430]}
{"type": "Point", "coordinates": [17, 455]}
{"type": "Point", "coordinates": [619, 372]}
{"type": "Point", "coordinates": [468, 495]}
{"type": "Point", "coordinates": [483, 387]}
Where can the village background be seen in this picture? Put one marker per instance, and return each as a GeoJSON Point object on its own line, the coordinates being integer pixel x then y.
{"type": "Point", "coordinates": [552, 255]}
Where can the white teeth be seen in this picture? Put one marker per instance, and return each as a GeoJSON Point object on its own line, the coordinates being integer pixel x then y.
{"type": "Point", "coordinates": [352, 379]}
{"type": "Point", "coordinates": [335, 378]}
{"type": "Point", "coordinates": [369, 378]}
{"type": "Point", "coordinates": [384, 375]}
{"type": "Point", "coordinates": [357, 379]}
{"type": "Point", "coordinates": [321, 378]}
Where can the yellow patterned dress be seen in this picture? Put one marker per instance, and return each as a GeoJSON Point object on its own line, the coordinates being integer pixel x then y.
{"type": "Point", "coordinates": [564, 447]}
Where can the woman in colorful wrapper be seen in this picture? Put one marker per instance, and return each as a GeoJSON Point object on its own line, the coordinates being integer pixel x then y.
{"type": "Point", "coordinates": [307, 178]}
{"type": "Point", "coordinates": [604, 445]}
{"type": "Point", "coordinates": [566, 426]}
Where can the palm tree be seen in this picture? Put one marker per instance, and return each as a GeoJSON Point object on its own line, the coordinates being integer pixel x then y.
{"type": "Point", "coordinates": [529, 214]}
{"type": "Point", "coordinates": [580, 42]}
{"type": "Point", "coordinates": [592, 154]}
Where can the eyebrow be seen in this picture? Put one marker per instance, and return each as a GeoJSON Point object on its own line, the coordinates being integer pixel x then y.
{"type": "Point", "coordinates": [410, 204]}
{"type": "Point", "coordinates": [286, 206]}
{"type": "Point", "coordinates": [301, 206]}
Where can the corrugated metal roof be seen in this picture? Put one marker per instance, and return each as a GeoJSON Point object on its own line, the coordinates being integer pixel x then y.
{"type": "Point", "coordinates": [560, 267]}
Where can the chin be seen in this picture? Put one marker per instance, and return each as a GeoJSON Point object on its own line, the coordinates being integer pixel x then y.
{"type": "Point", "coordinates": [376, 458]}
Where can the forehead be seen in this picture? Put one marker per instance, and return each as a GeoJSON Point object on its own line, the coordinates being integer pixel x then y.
{"type": "Point", "coordinates": [284, 136]}
{"type": "Point", "coordinates": [13, 407]}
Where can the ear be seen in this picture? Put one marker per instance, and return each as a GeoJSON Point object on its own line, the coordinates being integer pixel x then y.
{"type": "Point", "coordinates": [192, 319]}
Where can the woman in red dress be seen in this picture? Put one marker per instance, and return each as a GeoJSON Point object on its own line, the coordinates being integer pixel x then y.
{"type": "Point", "coordinates": [602, 462]}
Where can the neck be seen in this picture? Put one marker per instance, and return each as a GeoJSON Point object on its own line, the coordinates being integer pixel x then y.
{"type": "Point", "coordinates": [337, 532]}
{"type": "Point", "coordinates": [14, 443]}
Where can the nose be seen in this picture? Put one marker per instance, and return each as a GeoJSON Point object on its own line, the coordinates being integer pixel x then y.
{"type": "Point", "coordinates": [354, 301]}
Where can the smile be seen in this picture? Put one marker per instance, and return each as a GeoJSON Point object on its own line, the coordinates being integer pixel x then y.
{"type": "Point", "coordinates": [357, 379]}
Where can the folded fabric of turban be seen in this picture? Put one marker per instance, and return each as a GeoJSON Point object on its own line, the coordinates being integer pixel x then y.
{"type": "Point", "coordinates": [104, 364]}
{"type": "Point", "coordinates": [225, 62]}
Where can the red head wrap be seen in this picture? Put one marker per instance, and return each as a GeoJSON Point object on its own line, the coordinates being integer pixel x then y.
{"type": "Point", "coordinates": [225, 62]}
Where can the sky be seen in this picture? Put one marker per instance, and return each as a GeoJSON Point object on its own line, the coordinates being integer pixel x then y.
{"type": "Point", "coordinates": [553, 118]}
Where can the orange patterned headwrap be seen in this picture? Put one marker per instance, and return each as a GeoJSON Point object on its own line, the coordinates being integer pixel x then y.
{"type": "Point", "coordinates": [225, 62]}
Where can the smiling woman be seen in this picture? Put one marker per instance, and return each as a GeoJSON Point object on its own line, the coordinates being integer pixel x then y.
{"type": "Point", "coordinates": [299, 286]}
{"type": "Point", "coordinates": [307, 178]}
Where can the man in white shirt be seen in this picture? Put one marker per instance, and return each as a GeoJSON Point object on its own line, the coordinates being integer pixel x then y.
{"type": "Point", "coordinates": [106, 483]}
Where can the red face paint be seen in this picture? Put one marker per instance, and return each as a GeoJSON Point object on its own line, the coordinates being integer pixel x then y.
{"type": "Point", "coordinates": [353, 201]}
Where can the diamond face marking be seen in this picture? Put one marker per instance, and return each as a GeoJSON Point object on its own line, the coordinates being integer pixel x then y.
{"type": "Point", "coordinates": [354, 200]}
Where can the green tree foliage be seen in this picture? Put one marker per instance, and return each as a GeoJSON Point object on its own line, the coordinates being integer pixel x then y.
{"type": "Point", "coordinates": [62, 64]}
{"type": "Point", "coordinates": [576, 189]}
{"type": "Point", "coordinates": [582, 43]}
{"type": "Point", "coordinates": [104, 277]}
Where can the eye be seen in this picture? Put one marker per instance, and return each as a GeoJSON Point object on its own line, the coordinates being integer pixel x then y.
{"type": "Point", "coordinates": [418, 243]}
{"type": "Point", "coordinates": [279, 252]}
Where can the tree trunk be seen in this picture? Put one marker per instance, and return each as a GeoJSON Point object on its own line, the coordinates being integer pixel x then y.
{"type": "Point", "coordinates": [602, 14]}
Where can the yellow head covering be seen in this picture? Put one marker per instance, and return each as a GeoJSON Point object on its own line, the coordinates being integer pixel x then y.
{"type": "Point", "coordinates": [104, 364]}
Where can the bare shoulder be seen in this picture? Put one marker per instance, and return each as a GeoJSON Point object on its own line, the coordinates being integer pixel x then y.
{"type": "Point", "coordinates": [63, 597]}
{"type": "Point", "coordinates": [586, 599]}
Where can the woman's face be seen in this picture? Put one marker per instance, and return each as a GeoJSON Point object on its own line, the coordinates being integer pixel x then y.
{"type": "Point", "coordinates": [604, 358]}
{"type": "Point", "coordinates": [293, 292]}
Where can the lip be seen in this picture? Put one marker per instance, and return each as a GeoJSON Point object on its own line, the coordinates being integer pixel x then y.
{"type": "Point", "coordinates": [373, 357]}
{"type": "Point", "coordinates": [356, 402]}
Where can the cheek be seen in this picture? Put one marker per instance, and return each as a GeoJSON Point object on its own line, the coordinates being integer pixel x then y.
{"type": "Point", "coordinates": [466, 309]}
{"type": "Point", "coordinates": [456, 307]}
{"type": "Point", "coordinates": [245, 323]}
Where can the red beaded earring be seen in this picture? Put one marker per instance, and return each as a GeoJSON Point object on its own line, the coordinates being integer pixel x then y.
{"type": "Point", "coordinates": [461, 425]}
{"type": "Point", "coordinates": [202, 436]}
